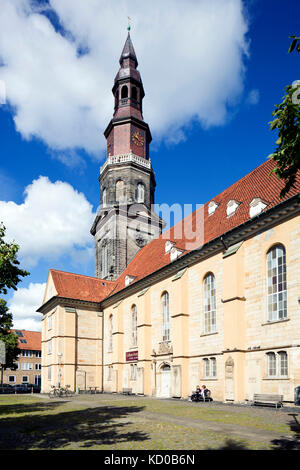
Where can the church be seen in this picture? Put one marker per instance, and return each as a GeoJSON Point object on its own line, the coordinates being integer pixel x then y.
{"type": "Point", "coordinates": [213, 300]}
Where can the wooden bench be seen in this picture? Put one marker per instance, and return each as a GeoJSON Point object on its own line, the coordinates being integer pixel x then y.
{"type": "Point", "coordinates": [127, 391]}
{"type": "Point", "coordinates": [267, 399]}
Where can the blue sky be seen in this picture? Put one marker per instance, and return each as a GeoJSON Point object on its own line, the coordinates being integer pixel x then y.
{"type": "Point", "coordinates": [194, 157]}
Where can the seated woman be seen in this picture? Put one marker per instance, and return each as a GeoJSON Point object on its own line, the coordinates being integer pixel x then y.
{"type": "Point", "coordinates": [196, 396]}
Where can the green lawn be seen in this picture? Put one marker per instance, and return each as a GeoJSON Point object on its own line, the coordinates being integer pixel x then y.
{"type": "Point", "coordinates": [116, 422]}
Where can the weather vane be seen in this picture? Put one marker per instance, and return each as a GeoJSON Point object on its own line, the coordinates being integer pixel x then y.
{"type": "Point", "coordinates": [129, 19]}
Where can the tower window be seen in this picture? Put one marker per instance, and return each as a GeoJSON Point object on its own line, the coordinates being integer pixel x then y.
{"type": "Point", "coordinates": [134, 93]}
{"type": "Point", "coordinates": [124, 91]}
{"type": "Point", "coordinates": [140, 192]}
{"type": "Point", "coordinates": [104, 197]}
{"type": "Point", "coordinates": [120, 191]}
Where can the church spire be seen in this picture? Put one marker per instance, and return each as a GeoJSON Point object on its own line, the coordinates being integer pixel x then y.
{"type": "Point", "coordinates": [128, 51]}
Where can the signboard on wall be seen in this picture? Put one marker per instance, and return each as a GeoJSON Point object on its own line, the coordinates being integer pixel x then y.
{"type": "Point", "coordinates": [132, 356]}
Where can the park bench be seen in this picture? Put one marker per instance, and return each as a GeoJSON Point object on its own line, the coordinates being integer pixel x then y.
{"type": "Point", "coordinates": [127, 391]}
{"type": "Point", "coordinates": [267, 399]}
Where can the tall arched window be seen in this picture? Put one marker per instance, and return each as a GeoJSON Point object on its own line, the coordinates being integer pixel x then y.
{"type": "Point", "coordinates": [166, 316]}
{"type": "Point", "coordinates": [271, 365]}
{"type": "Point", "coordinates": [104, 197]}
{"type": "Point", "coordinates": [209, 304]}
{"type": "Point", "coordinates": [134, 93]}
{"type": "Point", "coordinates": [120, 191]}
{"type": "Point", "coordinates": [140, 192]}
{"type": "Point", "coordinates": [276, 279]}
{"type": "Point", "coordinates": [104, 259]}
{"type": "Point", "coordinates": [133, 326]}
{"type": "Point", "coordinates": [124, 91]}
{"type": "Point", "coordinates": [110, 332]}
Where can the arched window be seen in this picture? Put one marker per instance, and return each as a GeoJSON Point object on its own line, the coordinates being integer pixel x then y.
{"type": "Point", "coordinates": [124, 91]}
{"type": "Point", "coordinates": [271, 364]}
{"type": "Point", "coordinates": [104, 197]}
{"type": "Point", "coordinates": [134, 93]}
{"type": "Point", "coordinates": [120, 191]}
{"type": "Point", "coordinates": [166, 316]}
{"type": "Point", "coordinates": [277, 364]}
{"type": "Point", "coordinates": [209, 367]}
{"type": "Point", "coordinates": [276, 279]}
{"type": "Point", "coordinates": [209, 304]}
{"type": "Point", "coordinates": [140, 192]}
{"type": "Point", "coordinates": [133, 326]}
{"type": "Point", "coordinates": [110, 332]}
{"type": "Point", "coordinates": [282, 364]}
{"type": "Point", "coordinates": [104, 259]}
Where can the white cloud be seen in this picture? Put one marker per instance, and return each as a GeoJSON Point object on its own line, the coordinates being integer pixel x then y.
{"type": "Point", "coordinates": [53, 221]}
{"type": "Point", "coordinates": [23, 306]}
{"type": "Point", "coordinates": [253, 97]}
{"type": "Point", "coordinates": [190, 55]}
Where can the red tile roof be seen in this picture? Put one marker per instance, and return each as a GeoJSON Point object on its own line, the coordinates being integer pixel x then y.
{"type": "Point", "coordinates": [257, 184]}
{"type": "Point", "coordinates": [33, 339]}
{"type": "Point", "coordinates": [78, 286]}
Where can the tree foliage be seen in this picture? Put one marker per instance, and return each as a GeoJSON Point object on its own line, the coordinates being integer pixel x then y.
{"type": "Point", "coordinates": [287, 122]}
{"type": "Point", "coordinates": [10, 276]}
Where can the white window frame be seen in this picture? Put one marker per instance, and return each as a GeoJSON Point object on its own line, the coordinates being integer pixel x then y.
{"type": "Point", "coordinates": [133, 371]}
{"type": "Point", "coordinates": [165, 299]}
{"type": "Point", "coordinates": [111, 330]}
{"type": "Point", "coordinates": [276, 284]}
{"type": "Point", "coordinates": [209, 367]}
{"type": "Point", "coordinates": [277, 364]}
{"type": "Point", "coordinates": [134, 326]}
{"type": "Point", "coordinates": [210, 315]}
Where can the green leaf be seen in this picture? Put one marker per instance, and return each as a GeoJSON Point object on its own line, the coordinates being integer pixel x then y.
{"type": "Point", "coordinates": [293, 45]}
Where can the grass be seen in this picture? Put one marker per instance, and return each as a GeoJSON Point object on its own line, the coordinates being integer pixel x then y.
{"type": "Point", "coordinates": [114, 422]}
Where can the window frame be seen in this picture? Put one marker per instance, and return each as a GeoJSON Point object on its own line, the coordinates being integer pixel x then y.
{"type": "Point", "coordinates": [276, 278]}
{"type": "Point", "coordinates": [165, 300]}
{"type": "Point", "coordinates": [210, 310]}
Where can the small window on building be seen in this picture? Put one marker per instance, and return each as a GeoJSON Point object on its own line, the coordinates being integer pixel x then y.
{"type": "Point", "coordinates": [168, 246]}
{"type": "Point", "coordinates": [128, 280]}
{"type": "Point", "coordinates": [232, 206]}
{"type": "Point", "coordinates": [174, 253]}
{"type": "Point", "coordinates": [140, 193]}
{"type": "Point", "coordinates": [133, 326]}
{"type": "Point", "coordinates": [277, 364]}
{"type": "Point", "coordinates": [212, 207]}
{"type": "Point", "coordinates": [25, 379]}
{"type": "Point", "coordinates": [256, 207]}
{"type": "Point", "coordinates": [104, 197]}
{"type": "Point", "coordinates": [134, 93]}
{"type": "Point", "coordinates": [11, 379]}
{"type": "Point", "coordinates": [124, 91]}
{"type": "Point", "coordinates": [110, 373]}
{"type": "Point", "coordinates": [209, 368]}
{"type": "Point", "coordinates": [49, 373]}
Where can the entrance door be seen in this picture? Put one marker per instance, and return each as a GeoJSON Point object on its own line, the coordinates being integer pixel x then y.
{"type": "Point", "coordinates": [165, 381]}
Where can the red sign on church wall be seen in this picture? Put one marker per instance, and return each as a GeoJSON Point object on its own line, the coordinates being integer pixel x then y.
{"type": "Point", "coordinates": [132, 356]}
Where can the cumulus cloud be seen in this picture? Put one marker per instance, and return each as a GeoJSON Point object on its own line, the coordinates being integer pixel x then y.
{"type": "Point", "coordinates": [23, 306]}
{"type": "Point", "coordinates": [60, 57]}
{"type": "Point", "coordinates": [53, 221]}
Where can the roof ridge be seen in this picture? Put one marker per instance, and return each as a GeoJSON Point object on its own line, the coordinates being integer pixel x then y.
{"type": "Point", "coordinates": [81, 275]}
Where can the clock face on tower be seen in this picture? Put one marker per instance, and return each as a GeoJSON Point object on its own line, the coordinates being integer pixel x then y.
{"type": "Point", "coordinates": [138, 139]}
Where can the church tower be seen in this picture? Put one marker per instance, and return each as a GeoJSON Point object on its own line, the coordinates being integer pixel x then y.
{"type": "Point", "coordinates": [125, 221]}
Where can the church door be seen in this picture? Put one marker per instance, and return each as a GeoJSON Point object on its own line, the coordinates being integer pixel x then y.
{"type": "Point", "coordinates": [165, 390]}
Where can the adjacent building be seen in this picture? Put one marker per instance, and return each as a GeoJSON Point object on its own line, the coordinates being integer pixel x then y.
{"type": "Point", "coordinates": [213, 300]}
{"type": "Point", "coordinates": [29, 363]}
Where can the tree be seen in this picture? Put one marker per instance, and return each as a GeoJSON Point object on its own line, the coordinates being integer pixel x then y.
{"type": "Point", "coordinates": [287, 122]}
{"type": "Point", "coordinates": [10, 276]}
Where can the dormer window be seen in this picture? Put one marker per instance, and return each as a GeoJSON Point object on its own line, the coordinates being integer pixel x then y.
{"type": "Point", "coordinates": [232, 206]}
{"type": "Point", "coordinates": [174, 253]}
{"type": "Point", "coordinates": [168, 246]}
{"type": "Point", "coordinates": [212, 207]}
{"type": "Point", "coordinates": [128, 280]}
{"type": "Point", "coordinates": [256, 206]}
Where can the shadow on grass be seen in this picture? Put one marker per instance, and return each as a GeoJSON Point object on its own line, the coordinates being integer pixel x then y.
{"type": "Point", "coordinates": [292, 443]}
{"type": "Point", "coordinates": [86, 428]}
{"type": "Point", "coordinates": [21, 408]}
